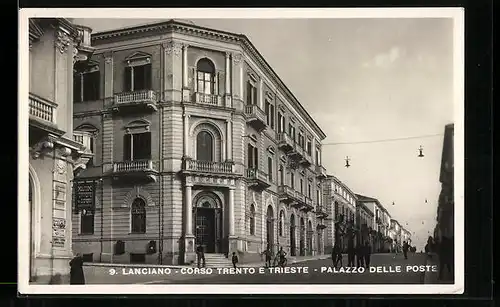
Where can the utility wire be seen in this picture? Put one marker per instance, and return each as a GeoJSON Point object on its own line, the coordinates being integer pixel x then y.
{"type": "Point", "coordinates": [385, 140]}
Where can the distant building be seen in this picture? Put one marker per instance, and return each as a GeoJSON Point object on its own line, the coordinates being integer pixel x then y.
{"type": "Point", "coordinates": [55, 44]}
{"type": "Point", "coordinates": [342, 203]}
{"type": "Point", "coordinates": [446, 202]}
{"type": "Point", "coordinates": [396, 235]}
{"type": "Point", "coordinates": [364, 216]}
{"type": "Point", "coordinates": [197, 141]}
{"type": "Point", "coordinates": [381, 222]}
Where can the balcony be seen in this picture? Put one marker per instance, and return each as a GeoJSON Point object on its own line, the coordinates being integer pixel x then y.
{"type": "Point", "coordinates": [321, 172]}
{"type": "Point", "coordinates": [297, 153]}
{"type": "Point", "coordinates": [255, 117]}
{"type": "Point", "coordinates": [321, 211]}
{"type": "Point", "coordinates": [308, 204]}
{"type": "Point", "coordinates": [43, 115]}
{"type": "Point", "coordinates": [84, 138]}
{"type": "Point", "coordinates": [285, 143]}
{"type": "Point", "coordinates": [306, 159]}
{"type": "Point", "coordinates": [300, 201]}
{"type": "Point", "coordinates": [213, 100]}
{"type": "Point", "coordinates": [136, 101]}
{"type": "Point", "coordinates": [257, 179]}
{"type": "Point", "coordinates": [286, 194]}
{"type": "Point", "coordinates": [209, 167]}
{"type": "Point", "coordinates": [137, 169]}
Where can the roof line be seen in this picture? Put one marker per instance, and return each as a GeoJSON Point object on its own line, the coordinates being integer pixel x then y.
{"type": "Point", "coordinates": [246, 43]}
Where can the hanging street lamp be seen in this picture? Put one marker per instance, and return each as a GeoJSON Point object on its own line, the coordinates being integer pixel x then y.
{"type": "Point", "coordinates": [347, 162]}
{"type": "Point", "coordinates": [420, 152]}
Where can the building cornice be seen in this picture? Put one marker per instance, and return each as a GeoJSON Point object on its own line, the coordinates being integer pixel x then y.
{"type": "Point", "coordinates": [242, 40]}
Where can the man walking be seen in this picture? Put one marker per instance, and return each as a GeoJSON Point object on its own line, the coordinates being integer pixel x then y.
{"type": "Point", "coordinates": [367, 253]}
{"type": "Point", "coordinates": [351, 253]}
{"type": "Point", "coordinates": [405, 249]}
{"type": "Point", "coordinates": [200, 255]}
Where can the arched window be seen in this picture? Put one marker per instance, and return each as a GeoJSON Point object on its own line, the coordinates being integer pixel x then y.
{"type": "Point", "coordinates": [205, 77]}
{"type": "Point", "coordinates": [204, 146]}
{"type": "Point", "coordinates": [138, 213]}
{"type": "Point", "coordinates": [252, 220]}
{"type": "Point", "coordinates": [281, 223]}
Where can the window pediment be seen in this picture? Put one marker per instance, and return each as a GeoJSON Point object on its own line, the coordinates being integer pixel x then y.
{"type": "Point", "coordinates": [137, 126]}
{"type": "Point", "coordinates": [271, 150]}
{"type": "Point", "coordinates": [138, 59]}
{"type": "Point", "coordinates": [270, 96]}
{"type": "Point", "coordinates": [283, 159]}
{"type": "Point", "coordinates": [253, 137]}
{"type": "Point", "coordinates": [253, 76]}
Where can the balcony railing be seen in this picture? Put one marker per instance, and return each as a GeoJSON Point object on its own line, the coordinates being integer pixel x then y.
{"type": "Point", "coordinates": [284, 141]}
{"type": "Point", "coordinates": [255, 116]}
{"type": "Point", "coordinates": [306, 158]}
{"type": "Point", "coordinates": [83, 137]}
{"type": "Point", "coordinates": [210, 99]}
{"type": "Point", "coordinates": [321, 171]}
{"type": "Point", "coordinates": [209, 166]}
{"type": "Point", "coordinates": [42, 109]}
{"type": "Point", "coordinates": [134, 166]}
{"type": "Point", "coordinates": [136, 97]}
{"type": "Point", "coordinates": [257, 177]}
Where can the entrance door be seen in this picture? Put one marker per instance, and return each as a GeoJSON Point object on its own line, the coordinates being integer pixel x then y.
{"type": "Point", "coordinates": [292, 235]}
{"type": "Point", "coordinates": [208, 229]}
{"type": "Point", "coordinates": [319, 242]}
{"type": "Point", "coordinates": [302, 235]}
{"type": "Point", "coordinates": [270, 228]}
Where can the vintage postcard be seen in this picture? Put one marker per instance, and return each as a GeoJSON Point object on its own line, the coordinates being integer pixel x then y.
{"type": "Point", "coordinates": [227, 151]}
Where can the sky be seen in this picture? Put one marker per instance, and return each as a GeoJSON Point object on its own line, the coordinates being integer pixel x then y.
{"type": "Point", "coordinates": [363, 80]}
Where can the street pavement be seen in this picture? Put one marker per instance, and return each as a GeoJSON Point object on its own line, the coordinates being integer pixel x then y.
{"type": "Point", "coordinates": [314, 274]}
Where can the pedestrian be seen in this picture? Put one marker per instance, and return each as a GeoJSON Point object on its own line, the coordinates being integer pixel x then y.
{"type": "Point", "coordinates": [268, 256]}
{"type": "Point", "coordinates": [200, 253]}
{"type": "Point", "coordinates": [359, 256]}
{"type": "Point", "coordinates": [405, 249]}
{"type": "Point", "coordinates": [234, 259]}
{"type": "Point", "coordinates": [367, 253]}
{"type": "Point", "coordinates": [351, 253]}
{"type": "Point", "coordinates": [76, 271]}
{"type": "Point", "coordinates": [335, 252]}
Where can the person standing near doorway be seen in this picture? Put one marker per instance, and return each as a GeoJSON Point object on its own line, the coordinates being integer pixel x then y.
{"type": "Point", "coordinates": [405, 249]}
{"type": "Point", "coordinates": [200, 253]}
{"type": "Point", "coordinates": [234, 260]}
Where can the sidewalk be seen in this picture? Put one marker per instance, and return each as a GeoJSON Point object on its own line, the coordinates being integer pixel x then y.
{"type": "Point", "coordinates": [111, 273]}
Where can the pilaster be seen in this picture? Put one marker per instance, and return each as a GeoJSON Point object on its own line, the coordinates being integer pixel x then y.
{"type": "Point", "coordinates": [237, 77]}
{"type": "Point", "coordinates": [108, 75]}
{"type": "Point", "coordinates": [173, 74]}
{"type": "Point", "coordinates": [227, 95]}
{"type": "Point", "coordinates": [107, 142]}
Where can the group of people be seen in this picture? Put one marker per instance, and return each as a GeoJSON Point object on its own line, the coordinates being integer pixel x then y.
{"type": "Point", "coordinates": [356, 256]}
{"type": "Point", "coordinates": [281, 257]}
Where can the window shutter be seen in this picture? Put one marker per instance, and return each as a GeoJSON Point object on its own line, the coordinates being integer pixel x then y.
{"type": "Point", "coordinates": [148, 77]}
{"type": "Point", "coordinates": [192, 75]}
{"type": "Point", "coordinates": [147, 144]}
{"type": "Point", "coordinates": [96, 85]}
{"type": "Point", "coordinates": [77, 88]}
{"type": "Point", "coordinates": [128, 79]}
{"type": "Point", "coordinates": [250, 156]}
{"type": "Point", "coordinates": [256, 156]}
{"type": "Point", "coordinates": [249, 93]}
{"type": "Point", "coordinates": [126, 147]}
{"type": "Point", "coordinates": [216, 85]}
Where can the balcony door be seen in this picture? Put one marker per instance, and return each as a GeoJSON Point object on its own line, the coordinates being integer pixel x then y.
{"type": "Point", "coordinates": [302, 235]}
{"type": "Point", "coordinates": [204, 146]}
{"type": "Point", "coordinates": [208, 224]}
{"type": "Point", "coordinates": [270, 227]}
{"type": "Point", "coordinates": [292, 235]}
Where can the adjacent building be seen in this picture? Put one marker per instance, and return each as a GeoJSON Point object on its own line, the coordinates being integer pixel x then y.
{"type": "Point", "coordinates": [342, 206]}
{"type": "Point", "coordinates": [446, 202]}
{"type": "Point", "coordinates": [381, 223]}
{"type": "Point", "coordinates": [396, 235]}
{"type": "Point", "coordinates": [55, 44]}
{"type": "Point", "coordinates": [196, 141]}
{"type": "Point", "coordinates": [364, 218]}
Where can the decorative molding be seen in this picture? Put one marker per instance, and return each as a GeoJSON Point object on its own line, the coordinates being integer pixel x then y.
{"type": "Point", "coordinates": [173, 47]}
{"type": "Point", "coordinates": [63, 41]}
{"type": "Point", "coordinates": [60, 167]}
{"type": "Point", "coordinates": [237, 58]}
{"type": "Point", "coordinates": [137, 192]}
{"type": "Point", "coordinates": [108, 59]}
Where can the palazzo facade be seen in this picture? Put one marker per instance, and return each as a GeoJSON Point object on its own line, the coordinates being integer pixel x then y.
{"type": "Point", "coordinates": [196, 141]}
{"type": "Point", "coordinates": [55, 45]}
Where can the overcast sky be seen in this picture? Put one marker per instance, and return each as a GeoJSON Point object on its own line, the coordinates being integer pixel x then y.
{"type": "Point", "coordinates": [364, 80]}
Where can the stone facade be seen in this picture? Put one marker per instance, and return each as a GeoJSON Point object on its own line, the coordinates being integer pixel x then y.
{"type": "Point", "coordinates": [55, 45]}
{"type": "Point", "coordinates": [218, 137]}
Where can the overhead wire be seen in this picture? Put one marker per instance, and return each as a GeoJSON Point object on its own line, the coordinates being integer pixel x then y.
{"type": "Point", "coordinates": [385, 140]}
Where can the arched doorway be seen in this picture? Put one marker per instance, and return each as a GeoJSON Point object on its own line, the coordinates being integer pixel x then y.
{"type": "Point", "coordinates": [309, 238]}
{"type": "Point", "coordinates": [302, 237]}
{"type": "Point", "coordinates": [270, 227]}
{"type": "Point", "coordinates": [31, 234]}
{"type": "Point", "coordinates": [208, 222]}
{"type": "Point", "coordinates": [292, 235]}
{"type": "Point", "coordinates": [319, 241]}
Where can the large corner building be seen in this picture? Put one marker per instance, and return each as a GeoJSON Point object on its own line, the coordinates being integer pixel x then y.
{"type": "Point", "coordinates": [196, 141]}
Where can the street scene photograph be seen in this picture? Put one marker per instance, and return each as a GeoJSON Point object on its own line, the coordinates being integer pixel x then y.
{"type": "Point", "coordinates": [170, 149]}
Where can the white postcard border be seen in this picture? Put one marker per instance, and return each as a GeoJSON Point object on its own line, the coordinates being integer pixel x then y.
{"type": "Point", "coordinates": [457, 14]}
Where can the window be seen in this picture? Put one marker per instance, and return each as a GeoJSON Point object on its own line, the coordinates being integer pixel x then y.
{"type": "Point", "coordinates": [270, 168]}
{"type": "Point", "coordinates": [251, 93]}
{"type": "Point", "coordinates": [281, 123]}
{"type": "Point", "coordinates": [252, 220]}
{"type": "Point", "coordinates": [301, 186]}
{"type": "Point", "coordinates": [86, 85]}
{"type": "Point", "coordinates": [253, 156]}
{"type": "Point", "coordinates": [137, 258]}
{"type": "Point", "coordinates": [281, 223]}
{"type": "Point", "coordinates": [318, 197]}
{"type": "Point", "coordinates": [204, 146]}
{"type": "Point", "coordinates": [309, 147]}
{"type": "Point", "coordinates": [291, 131]}
{"type": "Point", "coordinates": [88, 257]}
{"type": "Point", "coordinates": [318, 162]}
{"type": "Point", "coordinates": [138, 219]}
{"type": "Point", "coordinates": [137, 146]}
{"type": "Point", "coordinates": [281, 175]}
{"type": "Point", "coordinates": [309, 191]}
{"type": "Point", "coordinates": [292, 180]}
{"type": "Point", "coordinates": [138, 78]}
{"type": "Point", "coordinates": [269, 114]}
{"type": "Point", "coordinates": [206, 80]}
{"type": "Point", "coordinates": [87, 222]}
{"type": "Point", "coordinates": [301, 140]}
